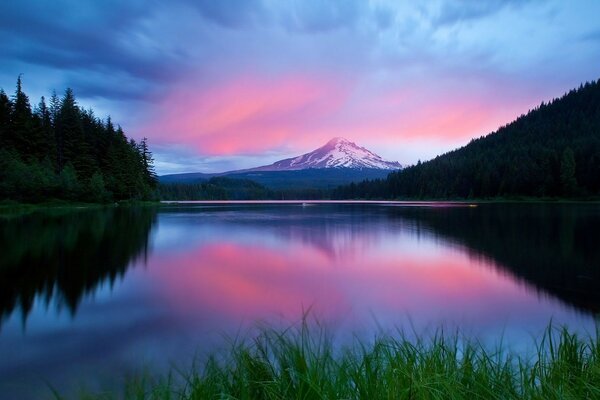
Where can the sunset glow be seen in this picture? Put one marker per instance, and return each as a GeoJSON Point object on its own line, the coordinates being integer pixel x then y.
{"type": "Point", "coordinates": [299, 199]}
{"type": "Point", "coordinates": [224, 85]}
{"type": "Point", "coordinates": [339, 276]}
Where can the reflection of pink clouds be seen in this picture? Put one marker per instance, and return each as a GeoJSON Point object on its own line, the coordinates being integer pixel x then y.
{"type": "Point", "coordinates": [447, 281]}
{"type": "Point", "coordinates": [248, 281]}
{"type": "Point", "coordinates": [243, 282]}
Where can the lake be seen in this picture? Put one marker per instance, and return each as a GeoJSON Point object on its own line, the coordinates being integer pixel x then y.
{"type": "Point", "coordinates": [89, 297]}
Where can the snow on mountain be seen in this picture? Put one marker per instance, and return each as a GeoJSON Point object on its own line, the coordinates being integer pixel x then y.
{"type": "Point", "coordinates": [337, 153]}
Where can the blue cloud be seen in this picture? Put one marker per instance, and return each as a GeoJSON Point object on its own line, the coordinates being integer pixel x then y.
{"type": "Point", "coordinates": [232, 13]}
{"type": "Point", "coordinates": [456, 11]}
{"type": "Point", "coordinates": [80, 37]}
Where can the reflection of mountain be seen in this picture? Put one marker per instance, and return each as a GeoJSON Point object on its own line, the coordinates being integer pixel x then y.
{"type": "Point", "coordinates": [335, 230]}
{"type": "Point", "coordinates": [62, 257]}
{"type": "Point", "coordinates": [551, 246]}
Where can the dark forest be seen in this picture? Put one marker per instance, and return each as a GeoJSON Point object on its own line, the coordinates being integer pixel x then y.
{"type": "Point", "coordinates": [58, 150]}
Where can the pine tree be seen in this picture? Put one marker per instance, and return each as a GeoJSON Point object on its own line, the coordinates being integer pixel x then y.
{"type": "Point", "coordinates": [21, 122]}
{"type": "Point", "coordinates": [69, 128]}
{"type": "Point", "coordinates": [43, 141]}
{"type": "Point", "coordinates": [150, 176]}
{"type": "Point", "coordinates": [567, 173]}
{"type": "Point", "coordinates": [54, 108]}
{"type": "Point", "coordinates": [72, 141]}
{"type": "Point", "coordinates": [5, 111]}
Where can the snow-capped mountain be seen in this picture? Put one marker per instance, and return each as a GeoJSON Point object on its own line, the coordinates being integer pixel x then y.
{"type": "Point", "coordinates": [337, 153]}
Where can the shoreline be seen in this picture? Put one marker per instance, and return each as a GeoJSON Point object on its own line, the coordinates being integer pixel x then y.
{"type": "Point", "coordinates": [434, 202]}
{"type": "Point", "coordinates": [8, 209]}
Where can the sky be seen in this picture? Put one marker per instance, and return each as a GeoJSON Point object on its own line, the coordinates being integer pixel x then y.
{"type": "Point", "coordinates": [223, 85]}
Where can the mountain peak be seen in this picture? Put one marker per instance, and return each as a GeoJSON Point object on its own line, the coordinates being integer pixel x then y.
{"type": "Point", "coordinates": [337, 140]}
{"type": "Point", "coordinates": [338, 152]}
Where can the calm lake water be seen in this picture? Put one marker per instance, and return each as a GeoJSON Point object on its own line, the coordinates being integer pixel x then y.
{"type": "Point", "coordinates": [89, 297]}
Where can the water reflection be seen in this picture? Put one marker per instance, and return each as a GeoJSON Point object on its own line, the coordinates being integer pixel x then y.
{"type": "Point", "coordinates": [60, 256]}
{"type": "Point", "coordinates": [553, 247]}
{"type": "Point", "coordinates": [143, 287]}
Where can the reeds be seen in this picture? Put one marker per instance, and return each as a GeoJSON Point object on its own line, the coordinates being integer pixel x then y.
{"type": "Point", "coordinates": [303, 363]}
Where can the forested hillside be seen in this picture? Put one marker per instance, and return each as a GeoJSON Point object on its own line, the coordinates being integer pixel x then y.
{"type": "Point", "coordinates": [226, 188]}
{"type": "Point", "coordinates": [553, 151]}
{"type": "Point", "coordinates": [58, 150]}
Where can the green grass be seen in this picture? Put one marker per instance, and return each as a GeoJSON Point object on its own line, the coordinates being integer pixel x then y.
{"type": "Point", "coordinates": [302, 363]}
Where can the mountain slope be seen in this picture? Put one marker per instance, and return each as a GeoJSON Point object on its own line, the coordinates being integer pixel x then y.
{"type": "Point", "coordinates": [311, 178]}
{"type": "Point", "coordinates": [188, 177]}
{"type": "Point", "coordinates": [337, 153]}
{"type": "Point", "coordinates": [315, 178]}
{"type": "Point", "coordinates": [554, 150]}
{"type": "Point", "coordinates": [336, 163]}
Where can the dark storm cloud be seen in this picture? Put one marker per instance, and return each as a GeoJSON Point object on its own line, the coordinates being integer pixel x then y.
{"type": "Point", "coordinates": [77, 36]}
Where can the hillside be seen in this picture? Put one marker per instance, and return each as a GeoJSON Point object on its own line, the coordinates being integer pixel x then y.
{"type": "Point", "coordinates": [315, 178]}
{"type": "Point", "coordinates": [228, 188]}
{"type": "Point", "coordinates": [552, 151]}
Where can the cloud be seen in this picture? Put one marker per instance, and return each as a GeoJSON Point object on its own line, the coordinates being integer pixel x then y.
{"type": "Point", "coordinates": [83, 37]}
{"type": "Point", "coordinates": [593, 36]}
{"type": "Point", "coordinates": [248, 114]}
{"type": "Point", "coordinates": [319, 16]}
{"type": "Point", "coordinates": [456, 11]}
{"type": "Point", "coordinates": [243, 78]}
{"type": "Point", "coordinates": [232, 13]}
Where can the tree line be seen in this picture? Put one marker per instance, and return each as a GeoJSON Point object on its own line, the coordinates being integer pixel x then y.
{"type": "Point", "coordinates": [552, 151]}
{"type": "Point", "coordinates": [58, 150]}
{"type": "Point", "coordinates": [225, 188]}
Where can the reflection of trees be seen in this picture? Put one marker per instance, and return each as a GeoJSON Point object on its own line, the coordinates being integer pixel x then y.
{"type": "Point", "coordinates": [337, 231]}
{"type": "Point", "coordinates": [554, 247]}
{"type": "Point", "coordinates": [64, 256]}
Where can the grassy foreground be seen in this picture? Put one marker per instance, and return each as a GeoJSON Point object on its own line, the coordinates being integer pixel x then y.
{"type": "Point", "coordinates": [301, 363]}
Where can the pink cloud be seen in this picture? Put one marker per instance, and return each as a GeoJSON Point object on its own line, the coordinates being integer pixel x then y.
{"type": "Point", "coordinates": [247, 114]}
{"type": "Point", "coordinates": [445, 113]}
{"type": "Point", "coordinates": [252, 114]}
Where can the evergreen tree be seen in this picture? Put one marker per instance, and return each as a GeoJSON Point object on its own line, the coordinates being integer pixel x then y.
{"type": "Point", "coordinates": [5, 111]}
{"type": "Point", "coordinates": [21, 122]}
{"type": "Point", "coordinates": [75, 148]}
{"type": "Point", "coordinates": [43, 145]}
{"type": "Point", "coordinates": [150, 176]}
{"type": "Point", "coordinates": [54, 107]}
{"type": "Point", "coordinates": [567, 173]}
